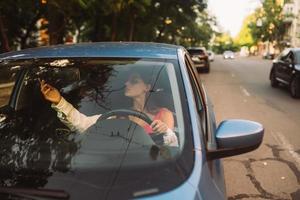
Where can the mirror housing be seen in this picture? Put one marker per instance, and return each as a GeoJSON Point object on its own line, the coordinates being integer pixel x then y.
{"type": "Point", "coordinates": [235, 136]}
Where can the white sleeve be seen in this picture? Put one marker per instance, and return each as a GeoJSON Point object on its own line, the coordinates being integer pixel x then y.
{"type": "Point", "coordinates": [170, 138]}
{"type": "Point", "coordinates": [72, 118]}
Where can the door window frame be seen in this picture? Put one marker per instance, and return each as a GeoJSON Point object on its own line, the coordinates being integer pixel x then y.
{"type": "Point", "coordinates": [198, 96]}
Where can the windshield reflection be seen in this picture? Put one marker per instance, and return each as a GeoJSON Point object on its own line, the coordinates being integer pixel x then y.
{"type": "Point", "coordinates": [35, 142]}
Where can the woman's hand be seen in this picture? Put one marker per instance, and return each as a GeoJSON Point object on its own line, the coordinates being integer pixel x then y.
{"type": "Point", "coordinates": [50, 93]}
{"type": "Point", "coordinates": [159, 127]}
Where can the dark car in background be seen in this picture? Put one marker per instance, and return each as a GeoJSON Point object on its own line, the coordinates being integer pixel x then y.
{"type": "Point", "coordinates": [200, 58]}
{"type": "Point", "coordinates": [42, 158]}
{"type": "Point", "coordinates": [286, 71]}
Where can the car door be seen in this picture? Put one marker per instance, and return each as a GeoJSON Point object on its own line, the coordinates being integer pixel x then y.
{"type": "Point", "coordinates": [214, 167]}
{"type": "Point", "coordinates": [283, 66]}
{"type": "Point", "coordinates": [288, 73]}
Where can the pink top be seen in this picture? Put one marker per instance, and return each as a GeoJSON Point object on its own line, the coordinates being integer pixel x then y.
{"type": "Point", "coordinates": [147, 127]}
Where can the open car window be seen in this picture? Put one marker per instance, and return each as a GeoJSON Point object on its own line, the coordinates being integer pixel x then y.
{"type": "Point", "coordinates": [297, 57]}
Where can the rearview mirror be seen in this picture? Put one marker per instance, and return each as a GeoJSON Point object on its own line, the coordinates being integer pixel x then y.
{"type": "Point", "coordinates": [235, 137]}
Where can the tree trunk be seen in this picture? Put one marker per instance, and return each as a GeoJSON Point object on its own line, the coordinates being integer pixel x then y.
{"type": "Point", "coordinates": [4, 40]}
{"type": "Point", "coordinates": [114, 27]}
{"type": "Point", "coordinates": [131, 28]}
{"type": "Point", "coordinates": [56, 25]}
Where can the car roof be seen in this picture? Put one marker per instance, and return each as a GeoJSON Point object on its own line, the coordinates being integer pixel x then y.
{"type": "Point", "coordinates": [98, 49]}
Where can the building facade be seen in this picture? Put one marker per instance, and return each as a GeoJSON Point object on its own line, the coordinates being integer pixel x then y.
{"type": "Point", "coordinates": [291, 13]}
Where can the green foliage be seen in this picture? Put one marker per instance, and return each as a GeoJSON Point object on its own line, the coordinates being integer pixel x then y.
{"type": "Point", "coordinates": [182, 22]}
{"type": "Point", "coordinates": [19, 19]}
{"type": "Point", "coordinates": [244, 38]}
{"type": "Point", "coordinates": [268, 24]}
{"type": "Point", "coordinates": [223, 42]}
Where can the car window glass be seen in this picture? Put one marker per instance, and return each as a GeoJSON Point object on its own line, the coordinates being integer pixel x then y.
{"type": "Point", "coordinates": [29, 93]}
{"type": "Point", "coordinates": [194, 86]}
{"type": "Point", "coordinates": [288, 58]}
{"type": "Point", "coordinates": [197, 95]}
{"type": "Point", "coordinates": [8, 76]}
{"type": "Point", "coordinates": [284, 54]}
{"type": "Point", "coordinates": [98, 88]}
{"type": "Point", "coordinates": [297, 57]}
{"type": "Point", "coordinates": [40, 141]}
{"type": "Point", "coordinates": [291, 58]}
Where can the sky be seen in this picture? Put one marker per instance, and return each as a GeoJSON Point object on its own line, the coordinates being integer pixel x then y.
{"type": "Point", "coordinates": [231, 13]}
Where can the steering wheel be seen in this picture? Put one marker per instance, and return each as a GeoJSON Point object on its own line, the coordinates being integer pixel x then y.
{"type": "Point", "coordinates": [157, 138]}
{"type": "Point", "coordinates": [126, 112]}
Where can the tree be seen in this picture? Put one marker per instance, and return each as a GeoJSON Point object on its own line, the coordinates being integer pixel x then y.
{"type": "Point", "coordinates": [222, 42]}
{"type": "Point", "coordinates": [178, 22]}
{"type": "Point", "coordinates": [268, 24]}
{"type": "Point", "coordinates": [181, 22]}
{"type": "Point", "coordinates": [244, 38]}
{"type": "Point", "coordinates": [18, 23]}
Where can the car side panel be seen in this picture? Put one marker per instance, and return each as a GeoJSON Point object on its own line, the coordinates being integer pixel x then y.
{"type": "Point", "coordinates": [289, 66]}
{"type": "Point", "coordinates": [215, 166]}
{"type": "Point", "coordinates": [211, 184]}
{"type": "Point", "coordinates": [281, 68]}
{"type": "Point", "coordinates": [291, 69]}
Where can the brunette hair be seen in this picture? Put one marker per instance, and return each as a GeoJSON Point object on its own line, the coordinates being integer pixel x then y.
{"type": "Point", "coordinates": [149, 76]}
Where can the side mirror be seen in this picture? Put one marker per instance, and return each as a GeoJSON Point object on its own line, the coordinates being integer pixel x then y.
{"type": "Point", "coordinates": [235, 137]}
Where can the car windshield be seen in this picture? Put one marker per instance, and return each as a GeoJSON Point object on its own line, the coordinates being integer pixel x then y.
{"type": "Point", "coordinates": [118, 154]}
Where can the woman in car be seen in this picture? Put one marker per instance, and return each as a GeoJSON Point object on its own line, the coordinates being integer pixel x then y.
{"type": "Point", "coordinates": [137, 87]}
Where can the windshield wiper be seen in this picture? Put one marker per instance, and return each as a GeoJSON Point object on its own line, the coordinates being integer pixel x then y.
{"type": "Point", "coordinates": [48, 193]}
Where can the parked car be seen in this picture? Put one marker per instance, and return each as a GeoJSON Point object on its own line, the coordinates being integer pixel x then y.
{"type": "Point", "coordinates": [211, 55]}
{"type": "Point", "coordinates": [200, 58]}
{"type": "Point", "coordinates": [42, 157]}
{"type": "Point", "coordinates": [286, 71]}
{"type": "Point", "coordinates": [228, 55]}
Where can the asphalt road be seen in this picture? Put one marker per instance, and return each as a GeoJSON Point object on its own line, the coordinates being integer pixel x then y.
{"type": "Point", "coordinates": [240, 88]}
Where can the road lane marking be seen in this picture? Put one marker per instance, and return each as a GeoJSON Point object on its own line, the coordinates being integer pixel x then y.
{"type": "Point", "coordinates": [245, 91]}
{"type": "Point", "coordinates": [280, 139]}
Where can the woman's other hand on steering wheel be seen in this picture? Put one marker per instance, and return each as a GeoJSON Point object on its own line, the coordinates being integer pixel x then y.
{"type": "Point", "coordinates": [50, 93]}
{"type": "Point", "coordinates": [159, 127]}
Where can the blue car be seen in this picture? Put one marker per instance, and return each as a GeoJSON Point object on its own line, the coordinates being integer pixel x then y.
{"type": "Point", "coordinates": [112, 121]}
